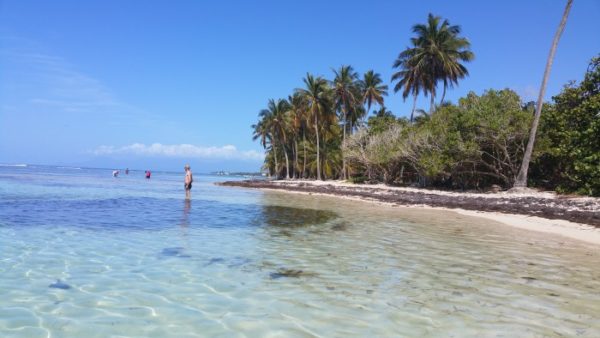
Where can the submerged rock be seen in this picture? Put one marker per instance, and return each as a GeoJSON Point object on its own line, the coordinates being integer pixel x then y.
{"type": "Point", "coordinates": [174, 252]}
{"type": "Point", "coordinates": [60, 285]}
{"type": "Point", "coordinates": [290, 273]}
{"type": "Point", "coordinates": [215, 261]}
{"type": "Point", "coordinates": [231, 263]}
{"type": "Point", "coordinates": [340, 226]}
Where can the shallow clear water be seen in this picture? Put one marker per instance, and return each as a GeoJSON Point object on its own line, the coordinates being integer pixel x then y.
{"type": "Point", "coordinates": [85, 255]}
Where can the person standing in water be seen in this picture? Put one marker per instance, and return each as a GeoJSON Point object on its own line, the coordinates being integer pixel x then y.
{"type": "Point", "coordinates": [187, 181]}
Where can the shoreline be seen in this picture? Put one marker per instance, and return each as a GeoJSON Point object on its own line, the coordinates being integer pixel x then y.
{"type": "Point", "coordinates": [572, 217]}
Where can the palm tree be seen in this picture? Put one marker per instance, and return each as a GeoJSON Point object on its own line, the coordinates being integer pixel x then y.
{"type": "Point", "coordinates": [411, 79]}
{"type": "Point", "coordinates": [384, 112]}
{"type": "Point", "coordinates": [330, 159]}
{"type": "Point", "coordinates": [521, 180]}
{"type": "Point", "coordinates": [298, 123]}
{"type": "Point", "coordinates": [436, 55]}
{"type": "Point", "coordinates": [346, 96]}
{"type": "Point", "coordinates": [318, 105]}
{"type": "Point", "coordinates": [373, 89]}
{"type": "Point", "coordinates": [279, 124]}
{"type": "Point", "coordinates": [272, 126]}
{"type": "Point", "coordinates": [263, 131]}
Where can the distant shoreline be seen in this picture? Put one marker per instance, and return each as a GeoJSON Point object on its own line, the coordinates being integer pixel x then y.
{"type": "Point", "coordinates": [573, 217]}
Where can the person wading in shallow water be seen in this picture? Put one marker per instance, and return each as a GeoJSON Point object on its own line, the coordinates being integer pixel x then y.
{"type": "Point", "coordinates": [187, 181]}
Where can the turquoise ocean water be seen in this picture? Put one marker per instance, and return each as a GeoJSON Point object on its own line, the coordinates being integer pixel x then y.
{"type": "Point", "coordinates": [83, 254]}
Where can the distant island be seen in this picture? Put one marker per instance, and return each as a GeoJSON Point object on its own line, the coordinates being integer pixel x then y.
{"type": "Point", "coordinates": [241, 173]}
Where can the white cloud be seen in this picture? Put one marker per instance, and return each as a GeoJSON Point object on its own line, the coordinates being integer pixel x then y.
{"type": "Point", "coordinates": [180, 150]}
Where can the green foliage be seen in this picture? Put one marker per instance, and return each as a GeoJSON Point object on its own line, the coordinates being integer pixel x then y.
{"type": "Point", "coordinates": [570, 138]}
{"type": "Point", "coordinates": [474, 144]}
{"type": "Point", "coordinates": [320, 132]}
{"type": "Point", "coordinates": [383, 120]}
{"type": "Point", "coordinates": [303, 135]}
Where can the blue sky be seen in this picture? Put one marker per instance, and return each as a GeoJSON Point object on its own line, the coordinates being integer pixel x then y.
{"type": "Point", "coordinates": [156, 84]}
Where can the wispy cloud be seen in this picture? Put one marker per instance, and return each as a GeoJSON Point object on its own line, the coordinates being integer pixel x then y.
{"type": "Point", "coordinates": [180, 150]}
{"type": "Point", "coordinates": [43, 80]}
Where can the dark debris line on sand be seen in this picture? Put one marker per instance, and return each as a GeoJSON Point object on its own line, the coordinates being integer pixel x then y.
{"type": "Point", "coordinates": [559, 208]}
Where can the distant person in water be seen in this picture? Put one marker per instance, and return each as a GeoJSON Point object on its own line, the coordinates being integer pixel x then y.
{"type": "Point", "coordinates": [148, 173]}
{"type": "Point", "coordinates": [187, 181]}
{"type": "Point", "coordinates": [127, 171]}
{"type": "Point", "coordinates": [115, 173]}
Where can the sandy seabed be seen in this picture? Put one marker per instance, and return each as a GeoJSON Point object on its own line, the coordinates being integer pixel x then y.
{"type": "Point", "coordinates": [572, 217]}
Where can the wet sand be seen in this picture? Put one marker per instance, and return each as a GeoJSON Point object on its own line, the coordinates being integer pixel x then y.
{"type": "Point", "coordinates": [574, 217]}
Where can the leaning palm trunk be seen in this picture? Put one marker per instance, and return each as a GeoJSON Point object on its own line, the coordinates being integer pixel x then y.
{"type": "Point", "coordinates": [296, 158]}
{"type": "Point", "coordinates": [287, 163]}
{"type": "Point", "coordinates": [318, 153]}
{"type": "Point", "coordinates": [276, 164]}
{"type": "Point", "coordinates": [412, 113]}
{"type": "Point", "coordinates": [344, 141]}
{"type": "Point", "coordinates": [443, 94]}
{"type": "Point", "coordinates": [304, 156]}
{"type": "Point", "coordinates": [431, 103]}
{"type": "Point", "coordinates": [521, 180]}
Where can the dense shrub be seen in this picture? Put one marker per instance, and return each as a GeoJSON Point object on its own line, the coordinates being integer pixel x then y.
{"type": "Point", "coordinates": [474, 144]}
{"type": "Point", "coordinates": [569, 146]}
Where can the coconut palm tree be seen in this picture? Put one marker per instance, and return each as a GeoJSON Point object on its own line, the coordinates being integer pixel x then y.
{"type": "Point", "coordinates": [317, 96]}
{"type": "Point", "coordinates": [521, 180]}
{"type": "Point", "coordinates": [272, 126]}
{"type": "Point", "coordinates": [436, 55]}
{"type": "Point", "coordinates": [331, 153]}
{"type": "Point", "coordinates": [263, 131]}
{"type": "Point", "coordinates": [298, 125]}
{"type": "Point", "coordinates": [346, 96]}
{"type": "Point", "coordinates": [373, 89]}
{"type": "Point", "coordinates": [411, 79]}
{"type": "Point", "coordinates": [279, 124]}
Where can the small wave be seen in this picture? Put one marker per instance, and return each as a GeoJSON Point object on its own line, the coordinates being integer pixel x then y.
{"type": "Point", "coordinates": [13, 165]}
{"type": "Point", "coordinates": [72, 168]}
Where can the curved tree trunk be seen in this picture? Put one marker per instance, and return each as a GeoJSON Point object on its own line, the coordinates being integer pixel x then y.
{"type": "Point", "coordinates": [276, 164]}
{"type": "Point", "coordinates": [343, 141]}
{"type": "Point", "coordinates": [412, 113]}
{"type": "Point", "coordinates": [318, 153]}
{"type": "Point", "coordinates": [304, 159]}
{"type": "Point", "coordinates": [443, 94]}
{"type": "Point", "coordinates": [521, 180]}
{"type": "Point", "coordinates": [287, 163]}
{"type": "Point", "coordinates": [431, 103]}
{"type": "Point", "coordinates": [296, 175]}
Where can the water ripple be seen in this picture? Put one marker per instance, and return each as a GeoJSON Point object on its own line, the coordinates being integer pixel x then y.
{"type": "Point", "coordinates": [141, 261]}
